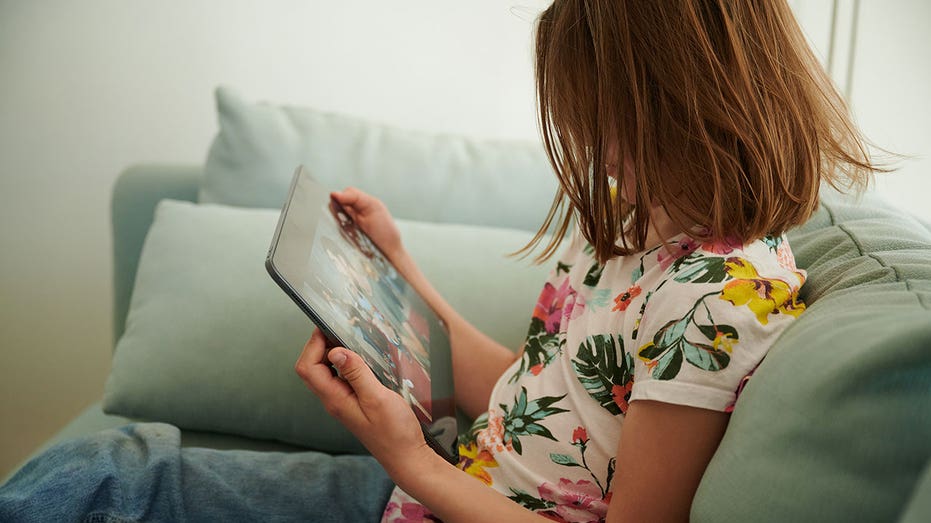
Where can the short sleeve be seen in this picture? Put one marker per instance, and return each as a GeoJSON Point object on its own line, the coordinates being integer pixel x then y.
{"type": "Point", "coordinates": [709, 322]}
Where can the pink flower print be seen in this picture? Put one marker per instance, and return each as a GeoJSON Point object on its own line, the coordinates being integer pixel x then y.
{"type": "Point", "coordinates": [672, 252]}
{"type": "Point", "coordinates": [550, 304]}
{"type": "Point", "coordinates": [574, 306]}
{"type": "Point", "coordinates": [725, 246]}
{"type": "Point", "coordinates": [411, 513]}
{"type": "Point", "coordinates": [536, 369]}
{"type": "Point", "coordinates": [785, 257]}
{"type": "Point", "coordinates": [575, 502]}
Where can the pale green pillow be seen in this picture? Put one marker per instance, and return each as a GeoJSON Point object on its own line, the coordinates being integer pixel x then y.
{"type": "Point", "coordinates": [211, 341]}
{"type": "Point", "coordinates": [835, 424]}
{"type": "Point", "coordinates": [425, 176]}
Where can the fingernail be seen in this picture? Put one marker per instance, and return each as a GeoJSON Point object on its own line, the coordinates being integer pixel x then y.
{"type": "Point", "coordinates": [338, 358]}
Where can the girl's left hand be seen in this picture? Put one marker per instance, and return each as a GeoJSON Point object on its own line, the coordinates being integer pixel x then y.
{"type": "Point", "coordinates": [378, 416]}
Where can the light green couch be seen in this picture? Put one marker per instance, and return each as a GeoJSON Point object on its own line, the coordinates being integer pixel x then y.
{"type": "Point", "coordinates": [850, 408]}
{"type": "Point", "coordinates": [835, 424]}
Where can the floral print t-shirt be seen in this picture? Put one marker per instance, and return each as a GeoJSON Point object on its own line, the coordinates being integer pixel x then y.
{"type": "Point", "coordinates": [683, 323]}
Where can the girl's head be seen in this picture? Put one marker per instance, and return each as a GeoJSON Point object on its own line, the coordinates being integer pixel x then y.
{"type": "Point", "coordinates": [715, 111]}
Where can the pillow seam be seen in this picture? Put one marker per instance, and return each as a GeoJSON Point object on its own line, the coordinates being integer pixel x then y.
{"type": "Point", "coordinates": [895, 271]}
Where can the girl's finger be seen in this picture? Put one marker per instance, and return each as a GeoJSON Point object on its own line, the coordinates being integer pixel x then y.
{"type": "Point", "coordinates": [349, 201]}
{"type": "Point", "coordinates": [313, 350]}
{"type": "Point", "coordinates": [336, 395]}
{"type": "Point", "coordinates": [347, 197]}
{"type": "Point", "coordinates": [356, 199]}
{"type": "Point", "coordinates": [312, 364]}
{"type": "Point", "coordinates": [340, 196]}
{"type": "Point", "coordinates": [356, 373]}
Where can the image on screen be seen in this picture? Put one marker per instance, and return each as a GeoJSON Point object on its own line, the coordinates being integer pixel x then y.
{"type": "Point", "coordinates": [360, 296]}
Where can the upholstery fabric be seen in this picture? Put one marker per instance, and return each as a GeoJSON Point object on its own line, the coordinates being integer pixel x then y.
{"type": "Point", "coordinates": [211, 341]}
{"type": "Point", "coordinates": [419, 175]}
{"type": "Point", "coordinates": [835, 424]}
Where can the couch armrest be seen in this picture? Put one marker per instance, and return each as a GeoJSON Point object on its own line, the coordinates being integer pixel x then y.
{"type": "Point", "coordinates": [136, 192]}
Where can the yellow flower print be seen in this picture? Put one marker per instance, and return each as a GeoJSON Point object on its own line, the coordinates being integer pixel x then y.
{"type": "Point", "coordinates": [723, 340]}
{"type": "Point", "coordinates": [762, 295]}
{"type": "Point", "coordinates": [473, 461]}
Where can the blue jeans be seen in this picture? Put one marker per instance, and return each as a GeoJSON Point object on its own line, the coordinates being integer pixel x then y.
{"type": "Point", "coordinates": [139, 472]}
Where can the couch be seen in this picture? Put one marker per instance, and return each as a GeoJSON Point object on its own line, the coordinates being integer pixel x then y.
{"type": "Point", "coordinates": [835, 424]}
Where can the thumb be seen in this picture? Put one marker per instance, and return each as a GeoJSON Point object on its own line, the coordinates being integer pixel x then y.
{"type": "Point", "coordinates": [355, 371]}
{"type": "Point", "coordinates": [350, 196]}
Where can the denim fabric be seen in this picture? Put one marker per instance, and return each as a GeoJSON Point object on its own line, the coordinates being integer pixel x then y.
{"type": "Point", "coordinates": [139, 472]}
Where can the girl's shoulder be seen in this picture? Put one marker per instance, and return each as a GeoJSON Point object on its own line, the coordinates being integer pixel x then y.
{"type": "Point", "coordinates": [710, 311]}
{"type": "Point", "coordinates": [728, 278]}
{"type": "Point", "coordinates": [692, 261]}
{"type": "Point", "coordinates": [682, 264]}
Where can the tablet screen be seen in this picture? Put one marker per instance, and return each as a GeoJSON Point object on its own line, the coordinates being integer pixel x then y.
{"type": "Point", "coordinates": [357, 297]}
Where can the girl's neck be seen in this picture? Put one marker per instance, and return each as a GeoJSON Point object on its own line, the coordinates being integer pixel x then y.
{"type": "Point", "coordinates": [661, 228]}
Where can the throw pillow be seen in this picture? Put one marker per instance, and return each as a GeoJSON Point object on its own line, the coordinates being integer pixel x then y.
{"type": "Point", "coordinates": [419, 175]}
{"type": "Point", "coordinates": [211, 341]}
{"type": "Point", "coordinates": [834, 425]}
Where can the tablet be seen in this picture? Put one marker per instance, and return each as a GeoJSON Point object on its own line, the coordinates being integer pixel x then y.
{"type": "Point", "coordinates": [358, 300]}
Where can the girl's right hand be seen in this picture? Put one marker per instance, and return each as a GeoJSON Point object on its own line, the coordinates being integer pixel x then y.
{"type": "Point", "coordinates": [372, 216]}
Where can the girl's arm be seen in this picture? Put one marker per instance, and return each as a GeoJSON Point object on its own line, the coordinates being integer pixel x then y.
{"type": "Point", "coordinates": [662, 455]}
{"type": "Point", "coordinates": [478, 361]}
{"type": "Point", "coordinates": [386, 425]}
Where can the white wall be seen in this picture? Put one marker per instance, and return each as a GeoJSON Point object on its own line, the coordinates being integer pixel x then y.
{"type": "Point", "coordinates": [891, 94]}
{"type": "Point", "coordinates": [882, 62]}
{"type": "Point", "coordinates": [87, 88]}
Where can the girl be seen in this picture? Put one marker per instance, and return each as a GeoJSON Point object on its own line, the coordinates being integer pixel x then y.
{"type": "Point", "coordinates": [687, 136]}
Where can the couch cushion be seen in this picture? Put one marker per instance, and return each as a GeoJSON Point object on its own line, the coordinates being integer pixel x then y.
{"type": "Point", "coordinates": [835, 423]}
{"type": "Point", "coordinates": [211, 341]}
{"type": "Point", "coordinates": [918, 509]}
{"type": "Point", "coordinates": [419, 175]}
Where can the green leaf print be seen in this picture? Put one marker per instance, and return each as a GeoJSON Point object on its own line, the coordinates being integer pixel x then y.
{"type": "Point", "coordinates": [650, 351]}
{"type": "Point", "coordinates": [637, 273]}
{"type": "Point", "coordinates": [670, 346]}
{"type": "Point", "coordinates": [669, 334]}
{"type": "Point", "coordinates": [643, 308]}
{"type": "Point", "coordinates": [523, 417]}
{"type": "Point", "coordinates": [598, 370]}
{"type": "Point", "coordinates": [562, 267]}
{"type": "Point", "coordinates": [702, 270]}
{"type": "Point", "coordinates": [599, 298]}
{"type": "Point", "coordinates": [711, 331]}
{"type": "Point", "coordinates": [611, 464]}
{"type": "Point", "coordinates": [480, 424]}
{"type": "Point", "coordinates": [564, 459]}
{"type": "Point", "coordinates": [540, 349]}
{"type": "Point", "coordinates": [773, 242]}
{"type": "Point", "coordinates": [593, 275]}
{"type": "Point", "coordinates": [580, 441]}
{"type": "Point", "coordinates": [529, 502]}
{"type": "Point", "coordinates": [704, 356]}
{"type": "Point", "coordinates": [668, 365]}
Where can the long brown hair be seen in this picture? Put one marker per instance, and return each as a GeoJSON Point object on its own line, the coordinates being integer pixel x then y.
{"type": "Point", "coordinates": [726, 115]}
